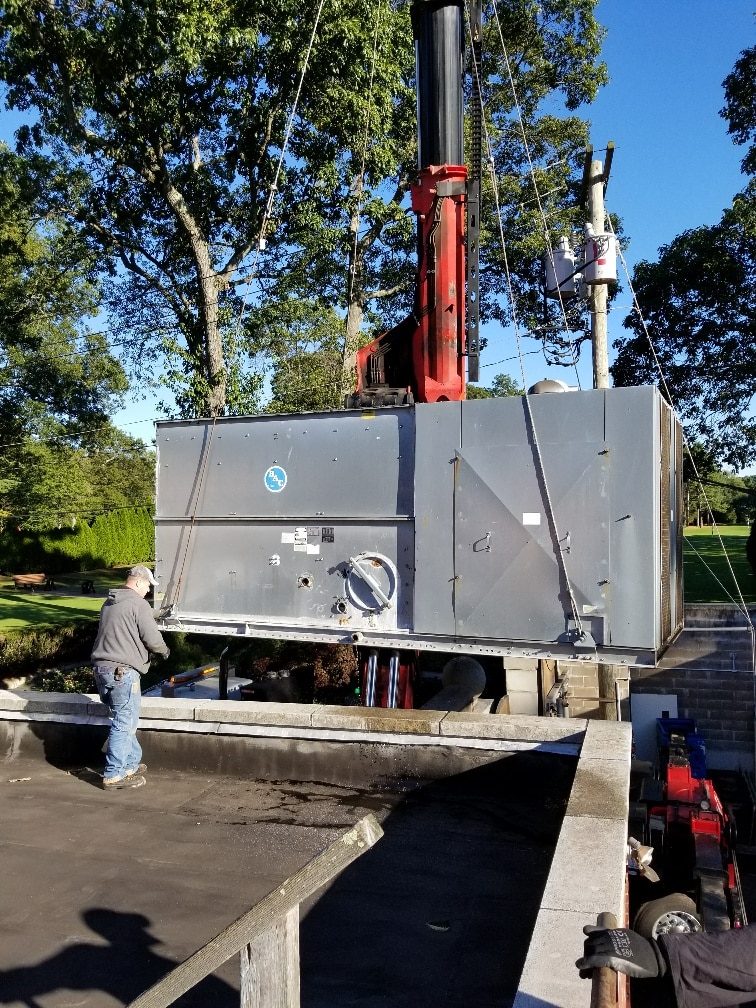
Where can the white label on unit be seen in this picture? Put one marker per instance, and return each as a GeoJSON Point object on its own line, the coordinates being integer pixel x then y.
{"type": "Point", "coordinates": [287, 537]}
{"type": "Point", "coordinates": [531, 518]}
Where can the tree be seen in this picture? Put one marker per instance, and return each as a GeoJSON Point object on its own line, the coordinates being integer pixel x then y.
{"type": "Point", "coordinates": [169, 119]}
{"type": "Point", "coordinates": [58, 383]}
{"type": "Point", "coordinates": [740, 106]}
{"type": "Point", "coordinates": [502, 385]}
{"type": "Point", "coordinates": [698, 304]}
{"type": "Point", "coordinates": [54, 378]}
{"type": "Point", "coordinates": [50, 483]}
{"type": "Point", "coordinates": [360, 249]}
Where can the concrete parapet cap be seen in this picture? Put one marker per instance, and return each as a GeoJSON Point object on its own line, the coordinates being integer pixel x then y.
{"type": "Point", "coordinates": [35, 702]}
{"type": "Point", "coordinates": [517, 727]}
{"type": "Point", "coordinates": [592, 850]}
{"type": "Point", "coordinates": [607, 740]}
{"type": "Point", "coordinates": [256, 712]}
{"type": "Point", "coordinates": [549, 978]}
{"type": "Point", "coordinates": [172, 708]}
{"type": "Point", "coordinates": [601, 790]}
{"type": "Point", "coordinates": [12, 700]}
{"type": "Point", "coordinates": [377, 719]}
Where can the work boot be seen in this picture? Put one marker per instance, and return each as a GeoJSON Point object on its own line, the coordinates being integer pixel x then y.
{"type": "Point", "coordinates": [116, 783]}
{"type": "Point", "coordinates": [142, 768]}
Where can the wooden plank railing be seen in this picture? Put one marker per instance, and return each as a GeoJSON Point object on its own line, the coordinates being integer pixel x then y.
{"type": "Point", "coordinates": [267, 936]}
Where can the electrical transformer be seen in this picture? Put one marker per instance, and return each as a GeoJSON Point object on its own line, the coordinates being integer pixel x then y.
{"type": "Point", "coordinates": [543, 525]}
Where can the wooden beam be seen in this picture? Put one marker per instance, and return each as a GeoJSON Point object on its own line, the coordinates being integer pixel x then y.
{"type": "Point", "coordinates": [264, 916]}
{"type": "Point", "coordinates": [270, 966]}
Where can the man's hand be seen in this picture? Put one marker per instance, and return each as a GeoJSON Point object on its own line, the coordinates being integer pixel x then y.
{"type": "Point", "coordinates": [621, 950]}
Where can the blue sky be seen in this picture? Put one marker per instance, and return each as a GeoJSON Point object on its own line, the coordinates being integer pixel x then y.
{"type": "Point", "coordinates": [675, 166]}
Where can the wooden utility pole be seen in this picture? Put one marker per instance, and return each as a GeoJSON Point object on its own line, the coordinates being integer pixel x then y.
{"type": "Point", "coordinates": [595, 178]}
{"type": "Point", "coordinates": [599, 293]}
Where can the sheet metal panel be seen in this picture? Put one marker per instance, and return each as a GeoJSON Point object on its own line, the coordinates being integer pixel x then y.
{"type": "Point", "coordinates": [348, 463]}
{"type": "Point", "coordinates": [531, 518]}
{"type": "Point", "coordinates": [278, 571]}
{"type": "Point", "coordinates": [438, 432]}
{"type": "Point", "coordinates": [634, 591]}
{"type": "Point", "coordinates": [487, 524]}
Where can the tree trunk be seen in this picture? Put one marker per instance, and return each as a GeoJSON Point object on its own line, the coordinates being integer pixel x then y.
{"type": "Point", "coordinates": [353, 324]}
{"type": "Point", "coordinates": [353, 328]}
{"type": "Point", "coordinates": [213, 364]}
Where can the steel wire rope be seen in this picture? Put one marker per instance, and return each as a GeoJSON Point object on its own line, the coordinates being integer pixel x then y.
{"type": "Point", "coordinates": [274, 184]}
{"type": "Point", "coordinates": [739, 601]}
{"type": "Point", "coordinates": [531, 170]}
{"type": "Point", "coordinates": [557, 540]}
{"type": "Point", "coordinates": [64, 512]}
{"type": "Point", "coordinates": [366, 137]}
{"type": "Point", "coordinates": [169, 604]}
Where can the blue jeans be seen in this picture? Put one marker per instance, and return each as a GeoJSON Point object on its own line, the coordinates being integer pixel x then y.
{"type": "Point", "coordinates": [124, 698]}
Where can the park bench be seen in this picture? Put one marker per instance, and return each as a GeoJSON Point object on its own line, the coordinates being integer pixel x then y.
{"type": "Point", "coordinates": [31, 582]}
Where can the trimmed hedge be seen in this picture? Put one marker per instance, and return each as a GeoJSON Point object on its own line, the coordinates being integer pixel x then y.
{"type": "Point", "coordinates": [116, 539]}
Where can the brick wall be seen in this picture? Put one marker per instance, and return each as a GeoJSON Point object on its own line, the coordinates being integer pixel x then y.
{"type": "Point", "coordinates": [721, 702]}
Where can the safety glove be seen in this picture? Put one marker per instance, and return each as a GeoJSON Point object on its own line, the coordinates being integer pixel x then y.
{"type": "Point", "coordinates": [622, 950]}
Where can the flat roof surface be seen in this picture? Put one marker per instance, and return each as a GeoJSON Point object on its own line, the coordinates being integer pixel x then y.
{"type": "Point", "coordinates": [105, 892]}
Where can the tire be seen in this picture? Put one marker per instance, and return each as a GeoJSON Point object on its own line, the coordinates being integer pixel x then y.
{"type": "Point", "coordinates": [675, 913]}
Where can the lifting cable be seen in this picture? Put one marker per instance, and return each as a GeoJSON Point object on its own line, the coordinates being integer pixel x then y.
{"type": "Point", "coordinates": [274, 184]}
{"type": "Point", "coordinates": [531, 171]}
{"type": "Point", "coordinates": [553, 527]}
{"type": "Point", "coordinates": [170, 604]}
{"type": "Point", "coordinates": [366, 137]}
{"type": "Point", "coordinates": [738, 601]}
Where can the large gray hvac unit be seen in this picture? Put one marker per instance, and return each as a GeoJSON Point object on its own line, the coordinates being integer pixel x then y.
{"type": "Point", "coordinates": [544, 525]}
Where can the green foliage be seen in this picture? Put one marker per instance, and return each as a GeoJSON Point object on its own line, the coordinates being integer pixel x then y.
{"type": "Point", "coordinates": [740, 106]}
{"type": "Point", "coordinates": [28, 651]}
{"type": "Point", "coordinates": [302, 343]}
{"type": "Point", "coordinates": [117, 539]}
{"type": "Point", "coordinates": [50, 483]}
{"type": "Point", "coordinates": [79, 679]}
{"type": "Point", "coordinates": [699, 305]}
{"type": "Point", "coordinates": [721, 497]}
{"type": "Point", "coordinates": [166, 125]}
{"type": "Point", "coordinates": [54, 379]}
{"type": "Point", "coordinates": [502, 385]}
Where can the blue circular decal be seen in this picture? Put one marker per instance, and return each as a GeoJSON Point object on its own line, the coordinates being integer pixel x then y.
{"type": "Point", "coordinates": [275, 479]}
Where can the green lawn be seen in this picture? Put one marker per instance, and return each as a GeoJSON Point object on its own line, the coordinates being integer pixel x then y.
{"type": "Point", "coordinates": [710, 560]}
{"type": "Point", "coordinates": [19, 609]}
{"type": "Point", "coordinates": [715, 565]}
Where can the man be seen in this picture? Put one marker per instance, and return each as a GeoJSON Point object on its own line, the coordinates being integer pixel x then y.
{"type": "Point", "coordinates": [701, 970]}
{"type": "Point", "coordinates": [121, 654]}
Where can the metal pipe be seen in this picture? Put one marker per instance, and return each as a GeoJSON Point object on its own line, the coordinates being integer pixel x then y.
{"type": "Point", "coordinates": [439, 51]}
{"type": "Point", "coordinates": [604, 980]}
{"type": "Point", "coordinates": [223, 674]}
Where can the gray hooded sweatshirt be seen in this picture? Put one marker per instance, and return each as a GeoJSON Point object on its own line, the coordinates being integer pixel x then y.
{"type": "Point", "coordinates": [128, 632]}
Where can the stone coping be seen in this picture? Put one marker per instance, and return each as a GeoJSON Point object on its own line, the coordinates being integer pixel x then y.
{"type": "Point", "coordinates": [451, 724]}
